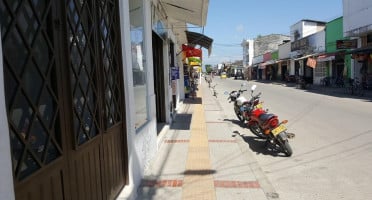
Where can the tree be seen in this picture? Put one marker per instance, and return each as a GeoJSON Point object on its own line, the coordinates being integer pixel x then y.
{"type": "Point", "coordinates": [208, 68]}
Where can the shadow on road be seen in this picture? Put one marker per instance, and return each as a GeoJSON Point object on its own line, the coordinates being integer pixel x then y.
{"type": "Point", "coordinates": [260, 146]}
{"type": "Point", "coordinates": [235, 121]}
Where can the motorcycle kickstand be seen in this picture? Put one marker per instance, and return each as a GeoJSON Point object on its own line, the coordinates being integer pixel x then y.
{"type": "Point", "coordinates": [269, 143]}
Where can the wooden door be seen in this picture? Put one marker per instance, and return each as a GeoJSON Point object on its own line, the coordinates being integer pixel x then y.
{"type": "Point", "coordinates": [97, 156]}
{"type": "Point", "coordinates": [31, 66]}
{"type": "Point", "coordinates": [64, 98]}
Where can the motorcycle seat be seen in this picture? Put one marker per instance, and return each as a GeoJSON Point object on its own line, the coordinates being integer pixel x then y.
{"type": "Point", "coordinates": [266, 116]}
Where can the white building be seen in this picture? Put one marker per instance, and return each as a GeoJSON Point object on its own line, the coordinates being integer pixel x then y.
{"type": "Point", "coordinates": [307, 39]}
{"type": "Point", "coordinates": [247, 52]}
{"type": "Point", "coordinates": [357, 24]}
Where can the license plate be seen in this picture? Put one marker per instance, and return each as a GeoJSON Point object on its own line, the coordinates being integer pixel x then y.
{"type": "Point", "coordinates": [259, 106]}
{"type": "Point", "coordinates": [278, 129]}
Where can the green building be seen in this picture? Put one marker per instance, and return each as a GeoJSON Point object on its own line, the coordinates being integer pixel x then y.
{"type": "Point", "coordinates": [337, 62]}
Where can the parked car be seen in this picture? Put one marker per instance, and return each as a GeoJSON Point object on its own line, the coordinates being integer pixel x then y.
{"type": "Point", "coordinates": [239, 75]}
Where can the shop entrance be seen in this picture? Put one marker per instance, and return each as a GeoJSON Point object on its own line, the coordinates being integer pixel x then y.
{"type": "Point", "coordinates": [64, 98]}
{"type": "Point", "coordinates": [157, 49]}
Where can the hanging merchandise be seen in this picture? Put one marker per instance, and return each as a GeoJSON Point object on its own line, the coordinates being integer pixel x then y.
{"type": "Point", "coordinates": [194, 61]}
{"type": "Point", "coordinates": [190, 51]}
{"type": "Point", "coordinates": [311, 62]}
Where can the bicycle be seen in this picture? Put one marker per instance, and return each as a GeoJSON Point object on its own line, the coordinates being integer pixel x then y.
{"type": "Point", "coordinates": [301, 83]}
{"type": "Point", "coordinates": [355, 87]}
{"type": "Point", "coordinates": [325, 82]}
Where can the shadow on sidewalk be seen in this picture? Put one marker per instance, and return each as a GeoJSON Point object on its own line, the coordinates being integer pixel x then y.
{"type": "Point", "coordinates": [200, 172]}
{"type": "Point", "coordinates": [260, 146]}
{"type": "Point", "coordinates": [255, 143]}
{"type": "Point", "coordinates": [195, 100]}
{"type": "Point", "coordinates": [182, 122]}
{"type": "Point", "coordinates": [235, 121]}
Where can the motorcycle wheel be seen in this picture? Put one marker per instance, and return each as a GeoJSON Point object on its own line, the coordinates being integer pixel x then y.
{"type": "Point", "coordinates": [238, 115]}
{"type": "Point", "coordinates": [284, 144]}
{"type": "Point", "coordinates": [255, 129]}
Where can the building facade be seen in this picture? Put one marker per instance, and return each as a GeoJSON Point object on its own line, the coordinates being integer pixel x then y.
{"type": "Point", "coordinates": [357, 25]}
{"type": "Point", "coordinates": [86, 88]}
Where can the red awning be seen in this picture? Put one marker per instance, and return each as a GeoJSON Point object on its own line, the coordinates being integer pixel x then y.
{"type": "Point", "coordinates": [191, 51]}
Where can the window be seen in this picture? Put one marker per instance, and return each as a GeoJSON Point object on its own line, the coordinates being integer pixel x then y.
{"type": "Point", "coordinates": [369, 39]}
{"type": "Point", "coordinates": [138, 64]}
{"type": "Point", "coordinates": [30, 89]}
{"type": "Point", "coordinates": [321, 69]}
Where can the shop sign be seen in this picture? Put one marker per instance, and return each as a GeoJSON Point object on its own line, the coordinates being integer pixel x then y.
{"type": "Point", "coordinates": [175, 73]}
{"type": "Point", "coordinates": [311, 62]}
{"type": "Point", "coordinates": [346, 44]}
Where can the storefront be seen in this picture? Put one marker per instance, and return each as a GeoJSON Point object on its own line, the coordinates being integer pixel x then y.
{"type": "Point", "coordinates": [192, 60]}
{"type": "Point", "coordinates": [363, 65]}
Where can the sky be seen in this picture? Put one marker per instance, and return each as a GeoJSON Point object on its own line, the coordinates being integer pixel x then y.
{"type": "Point", "coordinates": [230, 22]}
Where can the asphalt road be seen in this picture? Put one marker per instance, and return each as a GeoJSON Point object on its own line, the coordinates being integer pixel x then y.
{"type": "Point", "coordinates": [332, 156]}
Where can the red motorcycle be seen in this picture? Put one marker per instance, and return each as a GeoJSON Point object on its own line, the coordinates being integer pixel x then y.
{"type": "Point", "coordinates": [266, 125]}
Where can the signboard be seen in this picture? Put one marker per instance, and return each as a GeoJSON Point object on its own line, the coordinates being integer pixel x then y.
{"type": "Point", "coordinates": [174, 87]}
{"type": "Point", "coordinates": [311, 62]}
{"type": "Point", "coordinates": [346, 44]}
{"type": "Point", "coordinates": [175, 71]}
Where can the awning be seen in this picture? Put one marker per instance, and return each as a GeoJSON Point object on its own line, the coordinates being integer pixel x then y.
{"type": "Point", "coordinates": [307, 56]}
{"type": "Point", "coordinates": [324, 58]}
{"type": "Point", "coordinates": [189, 11]}
{"type": "Point", "coordinates": [328, 56]}
{"type": "Point", "coordinates": [194, 38]}
{"type": "Point", "coordinates": [282, 60]}
{"type": "Point", "coordinates": [366, 50]}
{"type": "Point", "coordinates": [269, 62]}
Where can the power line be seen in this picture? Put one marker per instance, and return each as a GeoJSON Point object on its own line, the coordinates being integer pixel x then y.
{"type": "Point", "coordinates": [227, 45]}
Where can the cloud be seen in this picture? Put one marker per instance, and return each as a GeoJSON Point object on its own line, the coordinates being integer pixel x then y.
{"type": "Point", "coordinates": [240, 28]}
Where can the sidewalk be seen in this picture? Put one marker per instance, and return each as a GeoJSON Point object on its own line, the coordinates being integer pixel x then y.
{"type": "Point", "coordinates": [199, 158]}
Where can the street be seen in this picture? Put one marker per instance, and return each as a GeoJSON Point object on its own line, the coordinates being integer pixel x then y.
{"type": "Point", "coordinates": [332, 146]}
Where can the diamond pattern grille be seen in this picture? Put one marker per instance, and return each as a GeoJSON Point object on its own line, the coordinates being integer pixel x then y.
{"type": "Point", "coordinates": [110, 47]}
{"type": "Point", "coordinates": [84, 69]}
{"type": "Point", "coordinates": [30, 68]}
{"type": "Point", "coordinates": [31, 96]}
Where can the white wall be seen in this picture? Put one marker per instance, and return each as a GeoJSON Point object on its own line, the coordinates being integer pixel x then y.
{"type": "Point", "coordinates": [250, 52]}
{"type": "Point", "coordinates": [284, 50]}
{"type": "Point", "coordinates": [296, 27]}
{"type": "Point", "coordinates": [356, 14]}
{"type": "Point", "coordinates": [310, 28]}
{"type": "Point", "coordinates": [257, 59]}
{"type": "Point", "coordinates": [305, 28]}
{"type": "Point", "coordinates": [248, 49]}
{"type": "Point", "coordinates": [142, 143]}
{"type": "Point", "coordinates": [319, 42]}
{"type": "Point", "coordinates": [6, 180]}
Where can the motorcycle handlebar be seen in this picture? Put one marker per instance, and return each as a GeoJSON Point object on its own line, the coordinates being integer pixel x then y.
{"type": "Point", "coordinates": [255, 97]}
{"type": "Point", "coordinates": [259, 94]}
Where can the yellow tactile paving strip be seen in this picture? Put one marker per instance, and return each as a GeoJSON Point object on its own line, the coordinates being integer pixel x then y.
{"type": "Point", "coordinates": [198, 182]}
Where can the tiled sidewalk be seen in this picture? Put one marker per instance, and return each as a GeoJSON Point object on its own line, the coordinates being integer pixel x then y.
{"type": "Point", "coordinates": [199, 158]}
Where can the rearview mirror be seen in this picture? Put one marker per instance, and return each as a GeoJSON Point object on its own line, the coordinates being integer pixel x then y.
{"type": "Point", "coordinates": [253, 87]}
